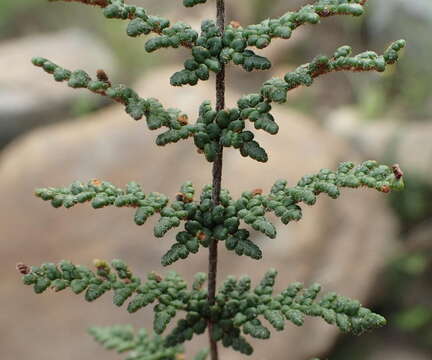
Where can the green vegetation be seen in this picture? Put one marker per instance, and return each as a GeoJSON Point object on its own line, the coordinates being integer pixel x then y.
{"type": "Point", "coordinates": [234, 310]}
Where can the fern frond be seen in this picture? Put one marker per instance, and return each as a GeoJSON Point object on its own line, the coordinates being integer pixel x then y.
{"type": "Point", "coordinates": [137, 107]}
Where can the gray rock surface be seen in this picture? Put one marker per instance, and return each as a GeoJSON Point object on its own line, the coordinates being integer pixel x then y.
{"type": "Point", "coordinates": [27, 97]}
{"type": "Point", "coordinates": [341, 244]}
{"type": "Point", "coordinates": [407, 142]}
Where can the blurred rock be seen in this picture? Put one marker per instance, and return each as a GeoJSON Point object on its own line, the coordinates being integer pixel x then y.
{"type": "Point", "coordinates": [407, 143]}
{"type": "Point", "coordinates": [341, 244]}
{"type": "Point", "coordinates": [414, 148]}
{"type": "Point", "coordinates": [383, 16]}
{"type": "Point", "coordinates": [395, 352]}
{"type": "Point", "coordinates": [28, 98]}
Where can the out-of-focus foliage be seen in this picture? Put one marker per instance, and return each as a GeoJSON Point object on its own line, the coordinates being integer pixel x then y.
{"type": "Point", "coordinates": [416, 319]}
{"type": "Point", "coordinates": [8, 8]}
{"type": "Point", "coordinates": [409, 276]}
{"type": "Point", "coordinates": [414, 205]}
{"type": "Point", "coordinates": [412, 92]}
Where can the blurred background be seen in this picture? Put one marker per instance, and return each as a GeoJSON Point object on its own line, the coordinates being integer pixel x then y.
{"type": "Point", "coordinates": [367, 246]}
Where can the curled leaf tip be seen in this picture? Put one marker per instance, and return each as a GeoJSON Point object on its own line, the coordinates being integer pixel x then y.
{"type": "Point", "coordinates": [397, 171]}
{"type": "Point", "coordinates": [23, 268]}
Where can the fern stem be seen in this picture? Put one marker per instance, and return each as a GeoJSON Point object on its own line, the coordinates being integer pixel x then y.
{"type": "Point", "coordinates": [217, 184]}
